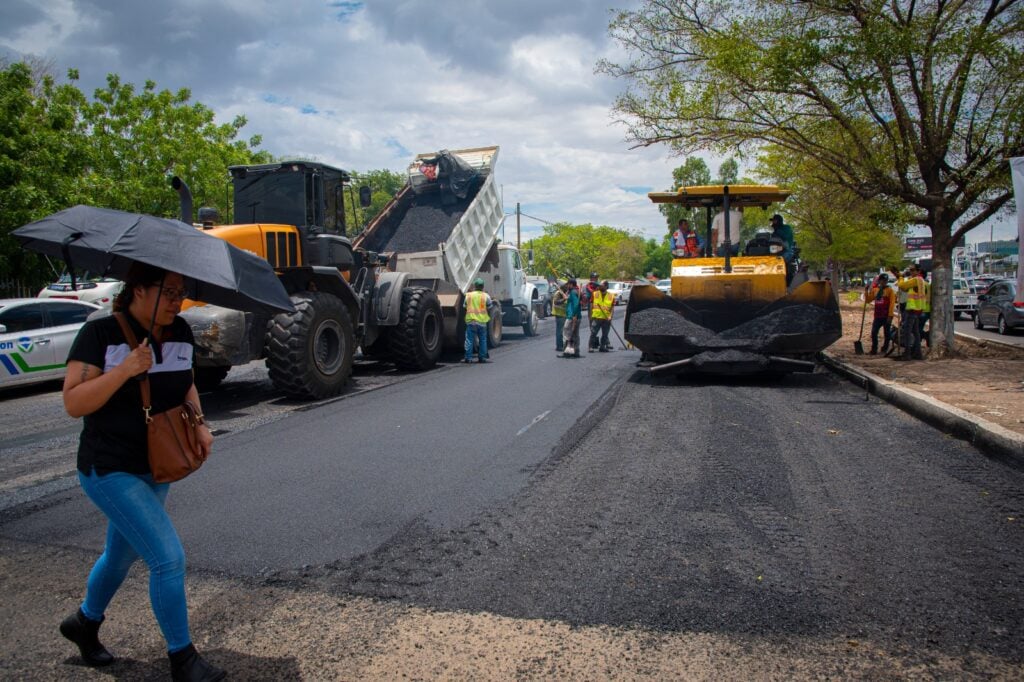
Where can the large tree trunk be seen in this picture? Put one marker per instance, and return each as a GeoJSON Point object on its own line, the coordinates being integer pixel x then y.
{"type": "Point", "coordinates": [942, 292]}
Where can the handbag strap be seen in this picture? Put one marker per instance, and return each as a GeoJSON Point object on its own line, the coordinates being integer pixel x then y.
{"type": "Point", "coordinates": [133, 342]}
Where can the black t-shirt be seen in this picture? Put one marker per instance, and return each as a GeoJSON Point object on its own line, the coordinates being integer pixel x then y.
{"type": "Point", "coordinates": [114, 436]}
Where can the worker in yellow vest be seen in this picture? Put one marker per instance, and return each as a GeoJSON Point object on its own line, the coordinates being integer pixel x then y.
{"type": "Point", "coordinates": [558, 302]}
{"type": "Point", "coordinates": [477, 305]}
{"type": "Point", "coordinates": [913, 283]}
{"type": "Point", "coordinates": [601, 305]}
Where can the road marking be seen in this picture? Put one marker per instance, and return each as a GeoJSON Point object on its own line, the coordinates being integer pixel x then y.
{"type": "Point", "coordinates": [535, 420]}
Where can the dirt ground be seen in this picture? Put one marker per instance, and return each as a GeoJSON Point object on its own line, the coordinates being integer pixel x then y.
{"type": "Point", "coordinates": [986, 379]}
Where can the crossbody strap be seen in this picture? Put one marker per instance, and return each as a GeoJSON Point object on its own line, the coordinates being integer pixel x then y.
{"type": "Point", "coordinates": [133, 342]}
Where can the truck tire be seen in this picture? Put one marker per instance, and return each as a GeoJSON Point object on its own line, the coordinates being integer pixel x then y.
{"type": "Point", "coordinates": [309, 352]}
{"type": "Point", "coordinates": [494, 329]}
{"type": "Point", "coordinates": [530, 326]}
{"type": "Point", "coordinates": [415, 343]}
{"type": "Point", "coordinates": [209, 378]}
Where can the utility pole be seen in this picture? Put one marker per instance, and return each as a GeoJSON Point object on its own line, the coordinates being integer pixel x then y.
{"type": "Point", "coordinates": [517, 225]}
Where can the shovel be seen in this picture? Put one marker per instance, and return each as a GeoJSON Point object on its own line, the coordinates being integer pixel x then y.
{"type": "Point", "coordinates": [858, 345]}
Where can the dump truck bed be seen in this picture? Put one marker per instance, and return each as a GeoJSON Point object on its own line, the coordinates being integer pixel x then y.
{"type": "Point", "coordinates": [433, 236]}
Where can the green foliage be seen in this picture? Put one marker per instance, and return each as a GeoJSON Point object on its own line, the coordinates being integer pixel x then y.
{"type": "Point", "coordinates": [117, 150]}
{"type": "Point", "coordinates": [137, 141]}
{"type": "Point", "coordinates": [694, 172]}
{"type": "Point", "coordinates": [42, 156]}
{"type": "Point", "coordinates": [582, 249]}
{"type": "Point", "coordinates": [831, 223]}
{"type": "Point", "coordinates": [657, 258]}
{"type": "Point", "coordinates": [384, 185]}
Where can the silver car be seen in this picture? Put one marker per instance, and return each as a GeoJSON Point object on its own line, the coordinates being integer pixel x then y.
{"type": "Point", "coordinates": [36, 336]}
{"type": "Point", "coordinates": [1000, 307]}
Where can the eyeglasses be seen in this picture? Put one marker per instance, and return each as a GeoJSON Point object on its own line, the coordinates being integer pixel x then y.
{"type": "Point", "coordinates": [173, 294]}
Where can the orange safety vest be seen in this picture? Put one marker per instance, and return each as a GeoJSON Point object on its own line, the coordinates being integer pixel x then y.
{"type": "Point", "coordinates": [476, 307]}
{"type": "Point", "coordinates": [602, 305]}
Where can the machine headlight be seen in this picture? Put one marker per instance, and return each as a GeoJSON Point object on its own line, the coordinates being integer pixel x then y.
{"type": "Point", "coordinates": [776, 248]}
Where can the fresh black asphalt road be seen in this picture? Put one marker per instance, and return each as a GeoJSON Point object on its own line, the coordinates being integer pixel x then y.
{"type": "Point", "coordinates": [585, 492]}
{"type": "Point", "coordinates": [339, 479]}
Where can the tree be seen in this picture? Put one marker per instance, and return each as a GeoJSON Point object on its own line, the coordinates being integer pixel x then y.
{"type": "Point", "coordinates": [657, 258]}
{"type": "Point", "coordinates": [137, 141]}
{"type": "Point", "coordinates": [833, 224]}
{"type": "Point", "coordinates": [42, 156]}
{"type": "Point", "coordinates": [917, 102]}
{"type": "Point", "coordinates": [384, 184]}
{"type": "Point", "coordinates": [582, 249]}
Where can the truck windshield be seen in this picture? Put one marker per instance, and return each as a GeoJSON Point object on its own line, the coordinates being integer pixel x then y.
{"type": "Point", "coordinates": [271, 198]}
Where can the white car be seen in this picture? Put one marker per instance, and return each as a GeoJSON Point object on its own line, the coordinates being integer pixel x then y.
{"type": "Point", "coordinates": [663, 285]}
{"type": "Point", "coordinates": [36, 336]}
{"type": "Point", "coordinates": [98, 290]}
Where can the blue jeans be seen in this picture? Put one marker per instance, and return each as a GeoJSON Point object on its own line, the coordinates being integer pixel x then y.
{"type": "Point", "coordinates": [138, 526]}
{"type": "Point", "coordinates": [475, 330]}
{"type": "Point", "coordinates": [559, 328]}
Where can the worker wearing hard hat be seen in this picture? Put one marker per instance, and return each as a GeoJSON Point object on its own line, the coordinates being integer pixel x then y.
{"type": "Point", "coordinates": [477, 305]}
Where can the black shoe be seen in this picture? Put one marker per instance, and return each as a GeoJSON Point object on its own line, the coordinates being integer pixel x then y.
{"type": "Point", "coordinates": [85, 633]}
{"type": "Point", "coordinates": [188, 666]}
{"type": "Point", "coordinates": [602, 350]}
{"type": "Point", "coordinates": [466, 360]}
{"type": "Point", "coordinates": [872, 352]}
{"type": "Point", "coordinates": [482, 360]}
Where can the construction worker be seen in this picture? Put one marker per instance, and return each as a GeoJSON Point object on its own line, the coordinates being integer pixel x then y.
{"type": "Point", "coordinates": [558, 301]}
{"type": "Point", "coordinates": [477, 305]}
{"type": "Point", "coordinates": [685, 242]}
{"type": "Point", "coordinates": [601, 306]}
{"type": "Point", "coordinates": [587, 293]}
{"type": "Point", "coordinates": [910, 329]}
{"type": "Point", "coordinates": [573, 314]}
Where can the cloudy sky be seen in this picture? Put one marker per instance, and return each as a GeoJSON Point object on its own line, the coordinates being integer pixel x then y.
{"type": "Point", "coordinates": [369, 84]}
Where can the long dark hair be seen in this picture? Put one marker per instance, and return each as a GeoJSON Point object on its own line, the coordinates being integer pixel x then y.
{"type": "Point", "coordinates": [139, 274]}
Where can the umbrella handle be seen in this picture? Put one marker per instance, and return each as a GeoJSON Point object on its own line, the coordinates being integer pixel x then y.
{"type": "Point", "coordinates": [65, 249]}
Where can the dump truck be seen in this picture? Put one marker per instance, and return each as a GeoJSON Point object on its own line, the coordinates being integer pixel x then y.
{"type": "Point", "coordinates": [732, 314]}
{"type": "Point", "coordinates": [292, 213]}
{"type": "Point", "coordinates": [440, 233]}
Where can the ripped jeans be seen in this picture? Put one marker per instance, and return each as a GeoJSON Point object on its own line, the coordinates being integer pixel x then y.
{"type": "Point", "coordinates": [138, 526]}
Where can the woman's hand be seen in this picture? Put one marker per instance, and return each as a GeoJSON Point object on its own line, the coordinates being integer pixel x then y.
{"type": "Point", "coordinates": [139, 360]}
{"type": "Point", "coordinates": [205, 440]}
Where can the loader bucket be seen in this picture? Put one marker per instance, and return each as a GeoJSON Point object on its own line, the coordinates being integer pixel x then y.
{"type": "Point", "coordinates": [731, 336]}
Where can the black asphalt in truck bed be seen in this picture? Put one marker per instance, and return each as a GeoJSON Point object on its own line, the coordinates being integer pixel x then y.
{"type": "Point", "coordinates": [428, 223]}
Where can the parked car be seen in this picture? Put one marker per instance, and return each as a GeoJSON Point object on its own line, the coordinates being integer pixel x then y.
{"type": "Point", "coordinates": [620, 290]}
{"type": "Point", "coordinates": [1000, 307]}
{"type": "Point", "coordinates": [544, 291]}
{"type": "Point", "coordinates": [965, 298]}
{"type": "Point", "coordinates": [36, 336]}
{"type": "Point", "coordinates": [663, 285]}
{"type": "Point", "coordinates": [90, 288]}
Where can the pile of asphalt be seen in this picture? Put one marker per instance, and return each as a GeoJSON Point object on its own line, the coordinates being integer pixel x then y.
{"type": "Point", "coordinates": [427, 223]}
{"type": "Point", "coordinates": [664, 322]}
{"type": "Point", "coordinates": [795, 319]}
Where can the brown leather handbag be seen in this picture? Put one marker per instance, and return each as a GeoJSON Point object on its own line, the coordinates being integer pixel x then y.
{"type": "Point", "coordinates": [174, 450]}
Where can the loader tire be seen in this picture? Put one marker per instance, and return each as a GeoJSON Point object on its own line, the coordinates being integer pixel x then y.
{"type": "Point", "coordinates": [209, 378]}
{"type": "Point", "coordinates": [415, 344]}
{"type": "Point", "coordinates": [309, 351]}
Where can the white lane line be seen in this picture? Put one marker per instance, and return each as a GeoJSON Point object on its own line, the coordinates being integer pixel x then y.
{"type": "Point", "coordinates": [535, 420]}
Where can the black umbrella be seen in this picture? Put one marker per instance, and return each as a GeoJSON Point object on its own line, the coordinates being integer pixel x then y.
{"type": "Point", "coordinates": [105, 241]}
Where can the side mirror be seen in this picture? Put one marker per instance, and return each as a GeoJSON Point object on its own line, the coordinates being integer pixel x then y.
{"type": "Point", "coordinates": [365, 196]}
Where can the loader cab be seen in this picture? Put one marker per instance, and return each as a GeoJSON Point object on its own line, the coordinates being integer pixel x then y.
{"type": "Point", "coordinates": [301, 206]}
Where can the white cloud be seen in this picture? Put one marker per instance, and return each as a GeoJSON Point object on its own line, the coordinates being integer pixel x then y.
{"type": "Point", "coordinates": [353, 85]}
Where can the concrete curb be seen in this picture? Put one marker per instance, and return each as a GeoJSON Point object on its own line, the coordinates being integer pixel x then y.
{"type": "Point", "coordinates": [994, 440]}
{"type": "Point", "coordinates": [977, 340]}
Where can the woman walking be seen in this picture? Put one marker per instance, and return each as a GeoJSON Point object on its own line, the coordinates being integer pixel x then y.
{"type": "Point", "coordinates": [113, 465]}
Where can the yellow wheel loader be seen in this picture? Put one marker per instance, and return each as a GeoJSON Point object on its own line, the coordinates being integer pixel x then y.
{"type": "Point", "coordinates": [732, 314]}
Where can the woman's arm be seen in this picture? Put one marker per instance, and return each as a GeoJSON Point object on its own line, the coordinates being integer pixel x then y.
{"type": "Point", "coordinates": [205, 436]}
{"type": "Point", "coordinates": [87, 388]}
